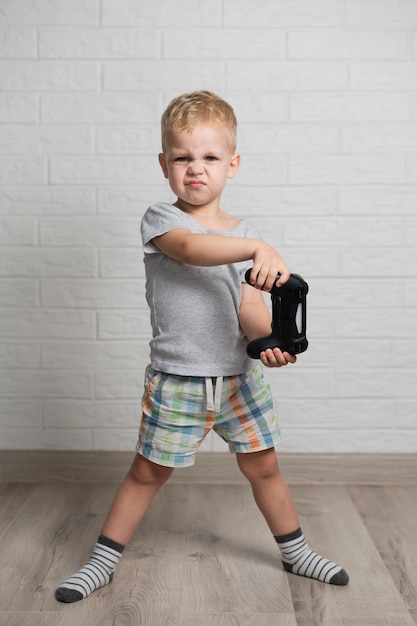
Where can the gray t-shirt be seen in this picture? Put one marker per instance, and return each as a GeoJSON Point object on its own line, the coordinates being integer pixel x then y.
{"type": "Point", "coordinates": [194, 309]}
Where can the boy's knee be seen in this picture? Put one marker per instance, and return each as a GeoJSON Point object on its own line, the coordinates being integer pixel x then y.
{"type": "Point", "coordinates": [148, 473]}
{"type": "Point", "coordinates": [258, 465]}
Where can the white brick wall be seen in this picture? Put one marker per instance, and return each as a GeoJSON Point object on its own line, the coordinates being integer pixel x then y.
{"type": "Point", "coordinates": [326, 96]}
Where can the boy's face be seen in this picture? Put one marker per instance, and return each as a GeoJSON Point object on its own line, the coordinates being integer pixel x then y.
{"type": "Point", "coordinates": [198, 164]}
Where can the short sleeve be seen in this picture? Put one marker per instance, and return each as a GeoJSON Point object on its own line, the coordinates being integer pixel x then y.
{"type": "Point", "coordinates": [158, 220]}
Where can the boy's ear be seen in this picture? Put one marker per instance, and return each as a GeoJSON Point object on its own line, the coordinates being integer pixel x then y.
{"type": "Point", "coordinates": [234, 165]}
{"type": "Point", "coordinates": [163, 164]}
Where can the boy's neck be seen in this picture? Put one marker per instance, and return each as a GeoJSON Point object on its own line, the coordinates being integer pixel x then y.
{"type": "Point", "coordinates": [210, 216]}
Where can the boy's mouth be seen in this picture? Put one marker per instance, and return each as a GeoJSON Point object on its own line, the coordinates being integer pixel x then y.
{"type": "Point", "coordinates": [195, 184]}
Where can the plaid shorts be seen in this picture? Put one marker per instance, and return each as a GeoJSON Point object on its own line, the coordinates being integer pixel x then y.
{"type": "Point", "coordinates": [179, 411]}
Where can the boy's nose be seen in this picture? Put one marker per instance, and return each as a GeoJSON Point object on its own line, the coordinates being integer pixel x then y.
{"type": "Point", "coordinates": [195, 167]}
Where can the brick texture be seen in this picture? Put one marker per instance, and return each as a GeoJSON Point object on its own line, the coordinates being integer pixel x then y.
{"type": "Point", "coordinates": [326, 97]}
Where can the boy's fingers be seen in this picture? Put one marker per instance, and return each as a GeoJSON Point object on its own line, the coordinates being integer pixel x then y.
{"type": "Point", "coordinates": [283, 277]}
{"type": "Point", "coordinates": [275, 358]}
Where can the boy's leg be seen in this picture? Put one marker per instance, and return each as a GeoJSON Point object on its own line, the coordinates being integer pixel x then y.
{"type": "Point", "coordinates": [275, 502]}
{"type": "Point", "coordinates": [132, 500]}
{"type": "Point", "coordinates": [270, 490]}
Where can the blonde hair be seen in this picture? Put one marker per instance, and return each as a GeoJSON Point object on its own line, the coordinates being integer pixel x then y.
{"type": "Point", "coordinates": [199, 108]}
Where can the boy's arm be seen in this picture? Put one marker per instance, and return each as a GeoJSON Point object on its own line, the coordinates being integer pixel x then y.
{"type": "Point", "coordinates": [255, 321]}
{"type": "Point", "coordinates": [210, 249]}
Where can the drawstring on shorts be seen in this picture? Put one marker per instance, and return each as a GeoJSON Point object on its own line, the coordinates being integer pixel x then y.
{"type": "Point", "coordinates": [214, 401]}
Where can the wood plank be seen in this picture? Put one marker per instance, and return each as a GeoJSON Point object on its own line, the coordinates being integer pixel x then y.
{"type": "Point", "coordinates": [46, 542]}
{"type": "Point", "coordinates": [104, 467]}
{"type": "Point", "coordinates": [29, 619]}
{"type": "Point", "coordinates": [333, 527]}
{"type": "Point", "coordinates": [129, 605]}
{"type": "Point", "coordinates": [390, 516]}
{"type": "Point", "coordinates": [239, 619]}
{"type": "Point", "coordinates": [12, 498]}
{"type": "Point", "coordinates": [233, 564]}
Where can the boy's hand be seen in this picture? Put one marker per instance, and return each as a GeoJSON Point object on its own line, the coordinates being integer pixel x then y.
{"type": "Point", "coordinates": [276, 358]}
{"type": "Point", "coordinates": [267, 263]}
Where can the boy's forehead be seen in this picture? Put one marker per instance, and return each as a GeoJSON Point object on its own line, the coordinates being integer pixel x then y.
{"type": "Point", "coordinates": [198, 134]}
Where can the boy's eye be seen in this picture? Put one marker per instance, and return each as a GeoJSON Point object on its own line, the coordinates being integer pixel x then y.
{"type": "Point", "coordinates": [211, 158]}
{"type": "Point", "coordinates": [181, 159]}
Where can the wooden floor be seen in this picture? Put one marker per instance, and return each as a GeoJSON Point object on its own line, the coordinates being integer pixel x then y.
{"type": "Point", "coordinates": [203, 556]}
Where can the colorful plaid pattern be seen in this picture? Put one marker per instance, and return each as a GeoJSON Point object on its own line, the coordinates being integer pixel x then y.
{"type": "Point", "coordinates": [176, 420]}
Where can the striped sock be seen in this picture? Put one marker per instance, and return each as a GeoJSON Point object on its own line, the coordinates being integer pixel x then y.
{"type": "Point", "coordinates": [299, 558]}
{"type": "Point", "coordinates": [96, 573]}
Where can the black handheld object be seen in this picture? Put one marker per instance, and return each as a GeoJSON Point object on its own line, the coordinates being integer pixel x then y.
{"type": "Point", "coordinates": [288, 318]}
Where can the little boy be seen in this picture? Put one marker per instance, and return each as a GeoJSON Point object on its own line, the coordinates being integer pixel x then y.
{"type": "Point", "coordinates": [203, 314]}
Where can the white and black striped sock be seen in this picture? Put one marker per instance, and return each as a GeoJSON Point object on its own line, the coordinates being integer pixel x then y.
{"type": "Point", "coordinates": [299, 558]}
{"type": "Point", "coordinates": [96, 573]}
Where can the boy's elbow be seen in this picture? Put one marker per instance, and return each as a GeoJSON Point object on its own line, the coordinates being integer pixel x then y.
{"type": "Point", "coordinates": [186, 254]}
